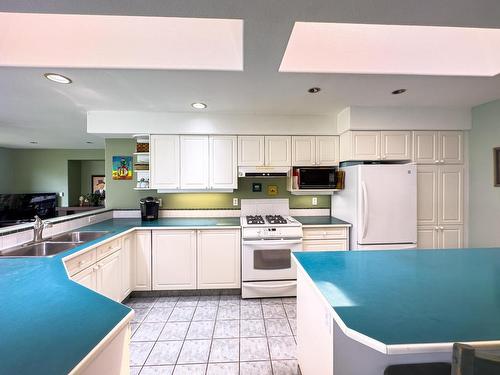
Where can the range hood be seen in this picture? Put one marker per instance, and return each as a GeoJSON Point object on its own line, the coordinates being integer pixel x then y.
{"type": "Point", "coordinates": [264, 171]}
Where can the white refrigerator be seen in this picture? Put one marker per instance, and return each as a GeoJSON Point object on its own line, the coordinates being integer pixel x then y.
{"type": "Point", "coordinates": [380, 201]}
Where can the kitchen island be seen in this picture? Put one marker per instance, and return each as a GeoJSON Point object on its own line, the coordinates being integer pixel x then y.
{"type": "Point", "coordinates": [358, 312]}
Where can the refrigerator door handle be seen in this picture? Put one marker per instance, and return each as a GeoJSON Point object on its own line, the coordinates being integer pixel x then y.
{"type": "Point", "coordinates": [365, 209]}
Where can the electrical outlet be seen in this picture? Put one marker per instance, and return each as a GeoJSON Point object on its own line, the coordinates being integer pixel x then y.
{"type": "Point", "coordinates": [92, 219]}
{"type": "Point", "coordinates": [314, 201]}
{"type": "Point", "coordinates": [235, 201]}
{"type": "Point", "coordinates": [160, 202]}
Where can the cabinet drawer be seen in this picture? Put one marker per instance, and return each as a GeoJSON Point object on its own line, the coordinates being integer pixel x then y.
{"type": "Point", "coordinates": [324, 233]}
{"type": "Point", "coordinates": [80, 262]}
{"type": "Point", "coordinates": [325, 245]}
{"type": "Point", "coordinates": [108, 248]}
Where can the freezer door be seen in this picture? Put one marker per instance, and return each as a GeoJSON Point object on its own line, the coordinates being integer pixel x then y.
{"type": "Point", "coordinates": [387, 247]}
{"type": "Point", "coordinates": [387, 209]}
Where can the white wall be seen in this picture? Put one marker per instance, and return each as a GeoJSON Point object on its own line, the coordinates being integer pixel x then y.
{"type": "Point", "coordinates": [115, 123]}
{"type": "Point", "coordinates": [399, 118]}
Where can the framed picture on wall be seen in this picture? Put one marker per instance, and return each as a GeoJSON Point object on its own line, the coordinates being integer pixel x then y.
{"type": "Point", "coordinates": [496, 166]}
{"type": "Point", "coordinates": [98, 185]}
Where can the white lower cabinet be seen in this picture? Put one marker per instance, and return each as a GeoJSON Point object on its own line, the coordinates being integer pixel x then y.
{"type": "Point", "coordinates": [174, 259]}
{"type": "Point", "coordinates": [141, 261]}
{"type": "Point", "coordinates": [190, 259]}
{"type": "Point", "coordinates": [326, 238]}
{"type": "Point", "coordinates": [87, 278]}
{"type": "Point", "coordinates": [325, 245]}
{"type": "Point", "coordinates": [108, 275]}
{"type": "Point", "coordinates": [218, 259]}
{"type": "Point", "coordinates": [126, 264]}
{"type": "Point", "coordinates": [440, 237]}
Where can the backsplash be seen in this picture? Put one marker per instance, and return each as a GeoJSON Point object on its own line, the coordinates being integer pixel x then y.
{"type": "Point", "coordinates": [120, 194]}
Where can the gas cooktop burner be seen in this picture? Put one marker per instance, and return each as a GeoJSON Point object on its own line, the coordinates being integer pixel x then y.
{"type": "Point", "coordinates": [257, 219]}
{"type": "Point", "coordinates": [275, 219]}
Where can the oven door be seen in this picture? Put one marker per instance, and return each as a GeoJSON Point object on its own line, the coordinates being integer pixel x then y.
{"type": "Point", "coordinates": [264, 260]}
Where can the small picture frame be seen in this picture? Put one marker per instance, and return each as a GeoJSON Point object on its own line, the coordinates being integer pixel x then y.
{"type": "Point", "coordinates": [496, 166]}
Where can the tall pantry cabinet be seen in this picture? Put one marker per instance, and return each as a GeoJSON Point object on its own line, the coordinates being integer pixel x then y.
{"type": "Point", "coordinates": [440, 177]}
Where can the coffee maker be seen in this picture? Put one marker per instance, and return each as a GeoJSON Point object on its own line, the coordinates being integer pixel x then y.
{"type": "Point", "coordinates": [149, 208]}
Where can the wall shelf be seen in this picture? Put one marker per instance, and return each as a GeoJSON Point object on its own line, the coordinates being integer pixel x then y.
{"type": "Point", "coordinates": [313, 192]}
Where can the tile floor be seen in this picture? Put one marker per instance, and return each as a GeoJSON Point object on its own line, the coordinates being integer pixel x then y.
{"type": "Point", "coordinates": [213, 335]}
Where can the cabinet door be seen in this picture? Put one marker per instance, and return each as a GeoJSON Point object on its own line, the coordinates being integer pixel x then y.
{"type": "Point", "coordinates": [427, 237]}
{"type": "Point", "coordinates": [141, 261]}
{"type": "Point", "coordinates": [250, 151]}
{"type": "Point", "coordinates": [365, 145]}
{"type": "Point", "coordinates": [194, 161]}
{"type": "Point", "coordinates": [450, 194]}
{"type": "Point", "coordinates": [395, 145]}
{"type": "Point", "coordinates": [218, 259]}
{"type": "Point", "coordinates": [126, 265]}
{"type": "Point", "coordinates": [164, 162]}
{"type": "Point", "coordinates": [87, 278]}
{"type": "Point", "coordinates": [451, 146]}
{"type": "Point", "coordinates": [427, 195]}
{"type": "Point", "coordinates": [325, 245]}
{"type": "Point", "coordinates": [223, 163]}
{"type": "Point", "coordinates": [174, 259]}
{"type": "Point", "coordinates": [425, 147]}
{"type": "Point", "coordinates": [278, 151]}
{"type": "Point", "coordinates": [109, 276]}
{"type": "Point", "coordinates": [304, 151]}
{"type": "Point", "coordinates": [451, 237]}
{"type": "Point", "coordinates": [327, 150]}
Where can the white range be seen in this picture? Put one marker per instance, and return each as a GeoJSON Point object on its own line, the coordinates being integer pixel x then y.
{"type": "Point", "coordinates": [269, 236]}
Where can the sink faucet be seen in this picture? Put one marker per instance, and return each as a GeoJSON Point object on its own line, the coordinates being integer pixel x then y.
{"type": "Point", "coordinates": [38, 226]}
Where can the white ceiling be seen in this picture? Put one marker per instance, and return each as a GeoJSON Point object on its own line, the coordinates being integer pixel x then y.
{"type": "Point", "coordinates": [32, 108]}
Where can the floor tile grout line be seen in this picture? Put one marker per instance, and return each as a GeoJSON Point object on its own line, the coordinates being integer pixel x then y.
{"type": "Point", "coordinates": [212, 340]}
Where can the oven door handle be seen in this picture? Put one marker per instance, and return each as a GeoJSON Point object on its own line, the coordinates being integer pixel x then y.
{"type": "Point", "coordinates": [271, 286]}
{"type": "Point", "coordinates": [272, 242]}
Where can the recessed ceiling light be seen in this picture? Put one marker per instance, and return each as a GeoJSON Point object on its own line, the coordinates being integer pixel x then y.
{"type": "Point", "coordinates": [199, 105]}
{"type": "Point", "coordinates": [89, 142]}
{"type": "Point", "coordinates": [34, 142]}
{"type": "Point", "coordinates": [398, 91]}
{"type": "Point", "coordinates": [54, 77]}
{"type": "Point", "coordinates": [314, 90]}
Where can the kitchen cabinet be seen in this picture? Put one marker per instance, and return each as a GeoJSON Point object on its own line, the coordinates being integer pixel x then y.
{"type": "Point", "coordinates": [325, 238]}
{"type": "Point", "coordinates": [128, 242]}
{"type": "Point", "coordinates": [427, 194]}
{"type": "Point", "coordinates": [108, 276]}
{"type": "Point", "coordinates": [218, 258]}
{"type": "Point", "coordinates": [427, 237]}
{"type": "Point", "coordinates": [194, 162]}
{"type": "Point", "coordinates": [450, 210]}
{"type": "Point", "coordinates": [438, 147]}
{"type": "Point", "coordinates": [250, 151]}
{"type": "Point", "coordinates": [395, 145]}
{"type": "Point", "coordinates": [315, 150]}
{"type": "Point", "coordinates": [278, 151]}
{"type": "Point", "coordinates": [440, 237]}
{"type": "Point", "coordinates": [141, 261]}
{"type": "Point", "coordinates": [223, 162]}
{"type": "Point", "coordinates": [174, 259]}
{"type": "Point", "coordinates": [87, 278]}
{"type": "Point", "coordinates": [164, 161]}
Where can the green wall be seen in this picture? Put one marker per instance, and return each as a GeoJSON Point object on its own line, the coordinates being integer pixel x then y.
{"type": "Point", "coordinates": [74, 181]}
{"type": "Point", "coordinates": [6, 170]}
{"type": "Point", "coordinates": [120, 194]}
{"type": "Point", "coordinates": [484, 198]}
{"type": "Point", "coordinates": [44, 170]}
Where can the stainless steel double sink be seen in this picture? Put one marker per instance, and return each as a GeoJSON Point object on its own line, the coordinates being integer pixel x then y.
{"type": "Point", "coordinates": [53, 245]}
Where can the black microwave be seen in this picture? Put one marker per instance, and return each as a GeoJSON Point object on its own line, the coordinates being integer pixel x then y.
{"type": "Point", "coordinates": [316, 177]}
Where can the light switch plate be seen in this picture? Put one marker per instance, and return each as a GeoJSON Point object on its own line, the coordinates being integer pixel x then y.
{"type": "Point", "coordinates": [235, 201]}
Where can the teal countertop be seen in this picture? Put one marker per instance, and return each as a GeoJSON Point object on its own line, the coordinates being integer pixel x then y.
{"type": "Point", "coordinates": [412, 296]}
{"type": "Point", "coordinates": [321, 220]}
{"type": "Point", "coordinates": [49, 323]}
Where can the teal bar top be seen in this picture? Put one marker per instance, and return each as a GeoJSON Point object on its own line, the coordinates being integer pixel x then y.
{"type": "Point", "coordinates": [48, 323]}
{"type": "Point", "coordinates": [412, 296]}
{"type": "Point", "coordinates": [320, 220]}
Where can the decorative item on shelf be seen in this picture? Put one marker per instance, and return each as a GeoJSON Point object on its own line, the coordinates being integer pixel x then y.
{"type": "Point", "coordinates": [122, 167]}
{"type": "Point", "coordinates": [143, 183]}
{"type": "Point", "coordinates": [81, 199]}
{"type": "Point", "coordinates": [141, 166]}
{"type": "Point", "coordinates": [295, 179]}
{"type": "Point", "coordinates": [142, 147]}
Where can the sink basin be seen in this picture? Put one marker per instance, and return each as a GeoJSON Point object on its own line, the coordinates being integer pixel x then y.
{"type": "Point", "coordinates": [41, 249]}
{"type": "Point", "coordinates": [78, 236]}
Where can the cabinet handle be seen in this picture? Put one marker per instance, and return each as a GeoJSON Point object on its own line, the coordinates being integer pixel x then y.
{"type": "Point", "coordinates": [442, 228]}
{"type": "Point", "coordinates": [436, 228]}
{"type": "Point", "coordinates": [442, 161]}
{"type": "Point", "coordinates": [96, 268]}
{"type": "Point", "coordinates": [436, 161]}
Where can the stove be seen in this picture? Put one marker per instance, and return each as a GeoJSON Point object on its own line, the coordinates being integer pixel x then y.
{"type": "Point", "coordinates": [269, 235]}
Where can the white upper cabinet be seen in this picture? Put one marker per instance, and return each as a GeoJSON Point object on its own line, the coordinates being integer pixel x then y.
{"type": "Point", "coordinates": [164, 162]}
{"type": "Point", "coordinates": [365, 145]}
{"type": "Point", "coordinates": [250, 151]}
{"type": "Point", "coordinates": [451, 147]}
{"type": "Point", "coordinates": [327, 150]}
{"type": "Point", "coordinates": [194, 161]}
{"type": "Point", "coordinates": [304, 150]}
{"type": "Point", "coordinates": [395, 145]}
{"type": "Point", "coordinates": [278, 151]}
{"type": "Point", "coordinates": [223, 164]}
{"type": "Point", "coordinates": [438, 147]}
